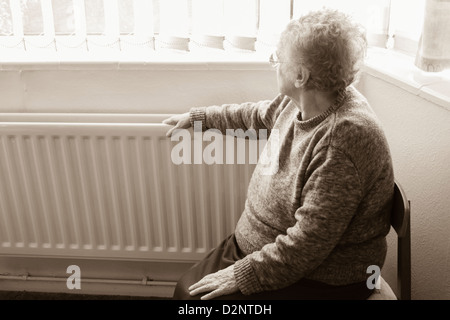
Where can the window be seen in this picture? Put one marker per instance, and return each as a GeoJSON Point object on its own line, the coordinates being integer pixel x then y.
{"type": "Point", "coordinates": [245, 25]}
{"type": "Point", "coordinates": [406, 27]}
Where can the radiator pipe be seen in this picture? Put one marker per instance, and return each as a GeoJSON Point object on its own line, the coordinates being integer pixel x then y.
{"type": "Point", "coordinates": [145, 281]}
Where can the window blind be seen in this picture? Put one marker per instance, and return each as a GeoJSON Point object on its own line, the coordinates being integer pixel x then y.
{"type": "Point", "coordinates": [185, 25]}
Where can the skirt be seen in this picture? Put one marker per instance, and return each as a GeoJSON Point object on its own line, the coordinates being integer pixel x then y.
{"type": "Point", "coordinates": [228, 252]}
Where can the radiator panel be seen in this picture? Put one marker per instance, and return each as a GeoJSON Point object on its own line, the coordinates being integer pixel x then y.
{"type": "Point", "coordinates": [110, 190]}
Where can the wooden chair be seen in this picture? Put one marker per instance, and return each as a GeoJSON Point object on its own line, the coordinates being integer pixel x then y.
{"type": "Point", "coordinates": [401, 222]}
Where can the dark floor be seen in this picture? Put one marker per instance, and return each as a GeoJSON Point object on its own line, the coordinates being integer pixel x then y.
{"type": "Point", "coordinates": [25, 295]}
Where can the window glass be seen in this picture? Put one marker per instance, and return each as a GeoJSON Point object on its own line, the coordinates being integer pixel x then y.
{"type": "Point", "coordinates": [126, 16]}
{"type": "Point", "coordinates": [33, 23]}
{"type": "Point", "coordinates": [174, 17]}
{"type": "Point", "coordinates": [63, 17]}
{"type": "Point", "coordinates": [207, 17]}
{"type": "Point", "coordinates": [95, 16]}
{"type": "Point", "coordinates": [387, 22]}
{"type": "Point", "coordinates": [241, 17]}
{"type": "Point", "coordinates": [6, 27]}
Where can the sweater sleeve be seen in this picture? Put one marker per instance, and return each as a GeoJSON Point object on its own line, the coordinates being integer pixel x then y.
{"type": "Point", "coordinates": [329, 200]}
{"type": "Point", "coordinates": [249, 115]}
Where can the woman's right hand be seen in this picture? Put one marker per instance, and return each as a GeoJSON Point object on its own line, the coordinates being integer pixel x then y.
{"type": "Point", "coordinates": [179, 121]}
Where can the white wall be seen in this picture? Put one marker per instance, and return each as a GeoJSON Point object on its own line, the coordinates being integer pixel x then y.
{"type": "Point", "coordinates": [418, 132]}
{"type": "Point", "coordinates": [419, 136]}
{"type": "Point", "coordinates": [129, 91]}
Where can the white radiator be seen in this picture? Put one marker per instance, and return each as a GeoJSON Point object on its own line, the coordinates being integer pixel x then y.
{"type": "Point", "coordinates": [95, 185]}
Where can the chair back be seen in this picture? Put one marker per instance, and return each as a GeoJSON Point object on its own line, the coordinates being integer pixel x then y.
{"type": "Point", "coordinates": [401, 222]}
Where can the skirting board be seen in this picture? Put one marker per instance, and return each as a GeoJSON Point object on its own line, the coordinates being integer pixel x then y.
{"type": "Point", "coordinates": [99, 277]}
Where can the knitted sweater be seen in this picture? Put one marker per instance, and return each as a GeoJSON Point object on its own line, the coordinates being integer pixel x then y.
{"type": "Point", "coordinates": [324, 213]}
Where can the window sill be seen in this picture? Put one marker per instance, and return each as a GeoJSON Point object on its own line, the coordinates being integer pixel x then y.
{"type": "Point", "coordinates": [151, 60]}
{"type": "Point", "coordinates": [399, 70]}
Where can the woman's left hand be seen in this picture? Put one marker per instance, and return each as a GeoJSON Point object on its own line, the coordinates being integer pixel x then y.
{"type": "Point", "coordinates": [219, 283]}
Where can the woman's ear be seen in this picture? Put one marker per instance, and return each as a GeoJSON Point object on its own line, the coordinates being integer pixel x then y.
{"type": "Point", "coordinates": [302, 78]}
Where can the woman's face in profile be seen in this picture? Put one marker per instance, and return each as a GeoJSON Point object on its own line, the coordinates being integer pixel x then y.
{"type": "Point", "coordinates": [285, 75]}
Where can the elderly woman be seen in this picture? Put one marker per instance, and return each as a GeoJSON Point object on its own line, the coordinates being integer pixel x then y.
{"type": "Point", "coordinates": [311, 229]}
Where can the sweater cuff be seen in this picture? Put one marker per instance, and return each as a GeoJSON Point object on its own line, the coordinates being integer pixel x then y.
{"type": "Point", "coordinates": [198, 114]}
{"type": "Point", "coordinates": [245, 277]}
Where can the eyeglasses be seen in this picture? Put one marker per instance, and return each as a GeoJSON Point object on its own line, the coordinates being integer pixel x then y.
{"type": "Point", "coordinates": [273, 59]}
{"type": "Point", "coordinates": [274, 62]}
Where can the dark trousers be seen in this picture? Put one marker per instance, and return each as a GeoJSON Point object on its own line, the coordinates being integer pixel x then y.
{"type": "Point", "coordinates": [228, 252]}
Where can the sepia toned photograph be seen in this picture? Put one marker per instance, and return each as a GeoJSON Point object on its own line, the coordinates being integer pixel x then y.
{"type": "Point", "coordinates": [224, 150]}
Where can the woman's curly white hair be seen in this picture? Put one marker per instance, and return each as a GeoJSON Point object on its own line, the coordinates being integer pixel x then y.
{"type": "Point", "coordinates": [329, 44]}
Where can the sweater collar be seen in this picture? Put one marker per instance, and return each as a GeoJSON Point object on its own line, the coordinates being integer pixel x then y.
{"type": "Point", "coordinates": [311, 123]}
